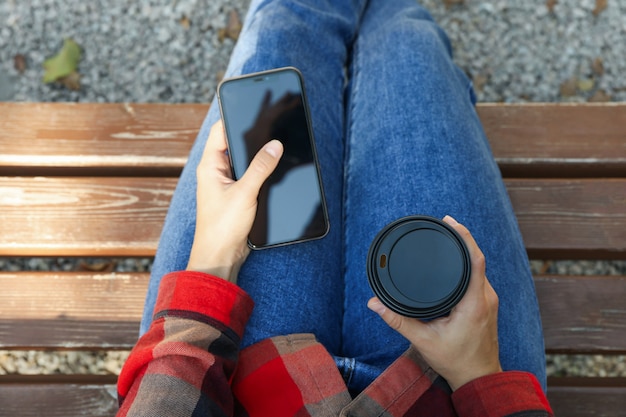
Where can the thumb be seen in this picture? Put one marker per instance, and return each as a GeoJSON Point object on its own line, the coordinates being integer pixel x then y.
{"type": "Point", "coordinates": [408, 327]}
{"type": "Point", "coordinates": [262, 165]}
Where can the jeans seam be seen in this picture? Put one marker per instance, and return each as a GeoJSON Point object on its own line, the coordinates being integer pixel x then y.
{"type": "Point", "coordinates": [352, 87]}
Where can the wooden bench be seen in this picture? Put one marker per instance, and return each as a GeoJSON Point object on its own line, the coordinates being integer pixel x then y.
{"type": "Point", "coordinates": [95, 180]}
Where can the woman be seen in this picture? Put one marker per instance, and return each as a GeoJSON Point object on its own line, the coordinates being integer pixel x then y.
{"type": "Point", "coordinates": [396, 134]}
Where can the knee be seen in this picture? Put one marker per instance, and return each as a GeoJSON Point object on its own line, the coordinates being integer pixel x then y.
{"type": "Point", "coordinates": [418, 36]}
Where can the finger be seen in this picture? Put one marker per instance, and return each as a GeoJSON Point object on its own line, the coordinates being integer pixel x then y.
{"type": "Point", "coordinates": [262, 166]}
{"type": "Point", "coordinates": [217, 137]}
{"type": "Point", "coordinates": [477, 258]}
{"type": "Point", "coordinates": [213, 155]}
{"type": "Point", "coordinates": [479, 288]}
{"type": "Point", "coordinates": [216, 142]}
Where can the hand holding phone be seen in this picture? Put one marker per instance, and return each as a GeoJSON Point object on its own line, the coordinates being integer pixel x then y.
{"type": "Point", "coordinates": [226, 208]}
{"type": "Point", "coordinates": [257, 108]}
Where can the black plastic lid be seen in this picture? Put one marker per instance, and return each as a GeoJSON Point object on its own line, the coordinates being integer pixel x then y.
{"type": "Point", "coordinates": [418, 266]}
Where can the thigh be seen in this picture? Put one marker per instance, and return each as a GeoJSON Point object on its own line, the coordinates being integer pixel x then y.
{"type": "Point", "coordinates": [296, 288]}
{"type": "Point", "coordinates": [416, 146]}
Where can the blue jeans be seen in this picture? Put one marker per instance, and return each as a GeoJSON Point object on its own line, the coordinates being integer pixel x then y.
{"type": "Point", "coordinates": [397, 134]}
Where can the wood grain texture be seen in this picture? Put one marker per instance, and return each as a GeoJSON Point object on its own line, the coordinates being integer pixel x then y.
{"type": "Point", "coordinates": [61, 310]}
{"type": "Point", "coordinates": [97, 138]}
{"type": "Point", "coordinates": [109, 216]}
{"type": "Point", "coordinates": [57, 400]}
{"type": "Point", "coordinates": [82, 216]}
{"type": "Point", "coordinates": [154, 139]}
{"type": "Point", "coordinates": [602, 397]}
{"type": "Point", "coordinates": [42, 310]}
{"type": "Point", "coordinates": [540, 139]}
{"type": "Point", "coordinates": [583, 314]}
{"type": "Point", "coordinates": [585, 397]}
{"type": "Point", "coordinates": [571, 218]}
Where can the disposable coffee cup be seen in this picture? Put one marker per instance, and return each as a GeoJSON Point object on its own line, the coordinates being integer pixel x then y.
{"type": "Point", "coordinates": [419, 266]}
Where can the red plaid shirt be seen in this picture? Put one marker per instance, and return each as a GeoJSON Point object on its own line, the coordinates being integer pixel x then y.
{"type": "Point", "coordinates": [189, 364]}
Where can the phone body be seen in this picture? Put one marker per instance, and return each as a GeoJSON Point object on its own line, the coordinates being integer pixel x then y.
{"type": "Point", "coordinates": [255, 109]}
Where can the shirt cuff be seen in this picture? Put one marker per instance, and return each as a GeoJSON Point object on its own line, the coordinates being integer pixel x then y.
{"type": "Point", "coordinates": [203, 297]}
{"type": "Point", "coordinates": [500, 394]}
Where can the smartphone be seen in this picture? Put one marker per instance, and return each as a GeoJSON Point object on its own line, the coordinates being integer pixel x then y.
{"type": "Point", "coordinates": [255, 109]}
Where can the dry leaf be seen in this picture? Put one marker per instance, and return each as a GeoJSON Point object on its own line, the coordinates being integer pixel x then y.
{"type": "Point", "coordinates": [600, 96]}
{"type": "Point", "coordinates": [550, 5]}
{"type": "Point", "coordinates": [569, 88]}
{"type": "Point", "coordinates": [600, 6]}
{"type": "Point", "coordinates": [232, 29]}
{"type": "Point", "coordinates": [107, 266]}
{"type": "Point", "coordinates": [19, 62]}
{"type": "Point", "coordinates": [545, 267]}
{"type": "Point", "coordinates": [597, 66]}
{"type": "Point", "coordinates": [479, 81]}
{"type": "Point", "coordinates": [450, 3]}
{"type": "Point", "coordinates": [185, 22]}
{"type": "Point", "coordinates": [71, 81]}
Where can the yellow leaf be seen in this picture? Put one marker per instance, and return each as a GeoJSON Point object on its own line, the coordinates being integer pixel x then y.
{"type": "Point", "coordinates": [62, 64]}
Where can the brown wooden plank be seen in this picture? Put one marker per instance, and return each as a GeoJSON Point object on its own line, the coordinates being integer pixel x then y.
{"type": "Point", "coordinates": [578, 218]}
{"type": "Point", "coordinates": [584, 397]}
{"type": "Point", "coordinates": [41, 310]}
{"type": "Point", "coordinates": [65, 138]}
{"type": "Point", "coordinates": [600, 397]}
{"type": "Point", "coordinates": [540, 139]}
{"type": "Point", "coordinates": [552, 139]}
{"type": "Point", "coordinates": [82, 216]}
{"type": "Point", "coordinates": [61, 310]}
{"type": "Point", "coordinates": [584, 314]}
{"type": "Point", "coordinates": [57, 400]}
{"type": "Point", "coordinates": [105, 216]}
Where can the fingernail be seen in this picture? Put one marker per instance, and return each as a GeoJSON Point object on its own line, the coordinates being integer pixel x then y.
{"type": "Point", "coordinates": [450, 220]}
{"type": "Point", "coordinates": [272, 148]}
{"type": "Point", "coordinates": [377, 307]}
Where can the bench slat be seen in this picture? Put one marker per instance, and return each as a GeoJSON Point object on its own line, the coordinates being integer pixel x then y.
{"type": "Point", "coordinates": [584, 397]}
{"type": "Point", "coordinates": [82, 216]}
{"type": "Point", "coordinates": [556, 139]}
{"type": "Point", "coordinates": [583, 314]}
{"type": "Point", "coordinates": [57, 400]}
{"type": "Point", "coordinates": [603, 397]}
{"type": "Point", "coordinates": [71, 310]}
{"type": "Point", "coordinates": [97, 138]}
{"type": "Point", "coordinates": [571, 218]}
{"type": "Point", "coordinates": [108, 216]}
{"type": "Point", "coordinates": [42, 310]}
{"type": "Point", "coordinates": [547, 139]}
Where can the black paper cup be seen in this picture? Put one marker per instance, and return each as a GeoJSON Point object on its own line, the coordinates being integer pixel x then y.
{"type": "Point", "coordinates": [419, 266]}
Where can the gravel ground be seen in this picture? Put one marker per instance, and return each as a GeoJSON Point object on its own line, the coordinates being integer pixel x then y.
{"type": "Point", "coordinates": [175, 51]}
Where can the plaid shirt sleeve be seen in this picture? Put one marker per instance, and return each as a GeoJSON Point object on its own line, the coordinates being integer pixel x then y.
{"type": "Point", "coordinates": [189, 364]}
{"type": "Point", "coordinates": [184, 362]}
{"type": "Point", "coordinates": [508, 394]}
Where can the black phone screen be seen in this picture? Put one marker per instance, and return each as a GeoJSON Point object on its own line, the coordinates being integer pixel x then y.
{"type": "Point", "coordinates": [272, 105]}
